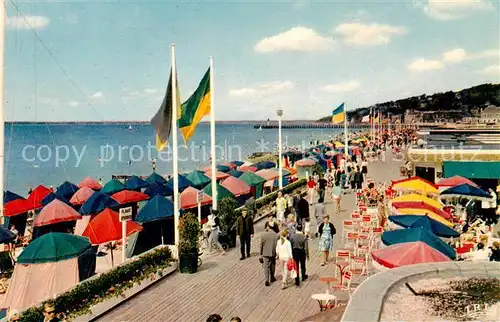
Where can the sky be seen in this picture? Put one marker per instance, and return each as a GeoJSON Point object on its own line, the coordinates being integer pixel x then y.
{"type": "Point", "coordinates": [110, 60]}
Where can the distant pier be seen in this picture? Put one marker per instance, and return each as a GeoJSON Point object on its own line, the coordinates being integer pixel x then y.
{"type": "Point", "coordinates": [274, 125]}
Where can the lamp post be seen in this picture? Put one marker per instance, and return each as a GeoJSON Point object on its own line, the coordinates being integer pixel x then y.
{"type": "Point", "coordinates": [279, 112]}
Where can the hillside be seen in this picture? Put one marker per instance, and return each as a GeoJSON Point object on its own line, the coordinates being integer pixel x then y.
{"type": "Point", "coordinates": [462, 103]}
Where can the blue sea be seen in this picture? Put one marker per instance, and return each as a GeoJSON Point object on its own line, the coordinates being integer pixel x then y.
{"type": "Point", "coordinates": [50, 154]}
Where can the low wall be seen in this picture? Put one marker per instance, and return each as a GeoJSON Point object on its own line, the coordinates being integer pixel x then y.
{"type": "Point", "coordinates": [367, 301]}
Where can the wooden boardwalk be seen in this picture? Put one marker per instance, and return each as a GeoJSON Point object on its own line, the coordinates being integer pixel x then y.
{"type": "Point", "coordinates": [230, 287]}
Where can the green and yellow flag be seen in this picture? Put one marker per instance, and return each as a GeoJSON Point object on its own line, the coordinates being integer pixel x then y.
{"type": "Point", "coordinates": [162, 121]}
{"type": "Point", "coordinates": [195, 108]}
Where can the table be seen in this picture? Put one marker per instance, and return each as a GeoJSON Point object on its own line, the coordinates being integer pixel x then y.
{"type": "Point", "coordinates": [324, 300]}
{"type": "Point", "coordinates": [327, 280]}
{"type": "Point", "coordinates": [342, 265]}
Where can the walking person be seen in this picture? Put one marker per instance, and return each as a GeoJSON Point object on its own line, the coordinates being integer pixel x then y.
{"type": "Point", "coordinates": [272, 224]}
{"type": "Point", "coordinates": [326, 232]}
{"type": "Point", "coordinates": [268, 243]}
{"type": "Point", "coordinates": [213, 237]}
{"type": "Point", "coordinates": [364, 168]}
{"type": "Point", "coordinates": [322, 183]}
{"type": "Point", "coordinates": [303, 210]}
{"type": "Point", "coordinates": [319, 211]}
{"type": "Point", "coordinates": [245, 231]}
{"type": "Point", "coordinates": [358, 179]}
{"type": "Point", "coordinates": [284, 253]}
{"type": "Point", "coordinates": [300, 252]}
{"type": "Point", "coordinates": [311, 185]}
{"type": "Point", "coordinates": [281, 204]}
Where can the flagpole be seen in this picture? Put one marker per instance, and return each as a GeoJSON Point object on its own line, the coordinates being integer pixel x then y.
{"type": "Point", "coordinates": [371, 123]}
{"type": "Point", "coordinates": [175, 170]}
{"type": "Point", "coordinates": [346, 146]}
{"type": "Point", "coordinates": [2, 120]}
{"type": "Point", "coordinates": [212, 135]}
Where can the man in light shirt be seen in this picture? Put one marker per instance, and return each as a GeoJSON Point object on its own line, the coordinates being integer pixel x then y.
{"type": "Point", "coordinates": [281, 205]}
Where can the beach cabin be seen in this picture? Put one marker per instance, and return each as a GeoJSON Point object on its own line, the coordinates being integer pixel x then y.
{"type": "Point", "coordinates": [304, 168]}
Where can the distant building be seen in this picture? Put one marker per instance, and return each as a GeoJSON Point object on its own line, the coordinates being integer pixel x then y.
{"type": "Point", "coordinates": [490, 114]}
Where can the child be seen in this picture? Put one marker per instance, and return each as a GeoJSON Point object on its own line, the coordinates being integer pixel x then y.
{"type": "Point", "coordinates": [307, 228]}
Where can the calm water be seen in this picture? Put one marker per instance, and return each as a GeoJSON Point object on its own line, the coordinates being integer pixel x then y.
{"type": "Point", "coordinates": [50, 154]}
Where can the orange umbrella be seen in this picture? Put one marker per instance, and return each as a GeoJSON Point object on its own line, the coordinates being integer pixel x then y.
{"type": "Point", "coordinates": [268, 174]}
{"type": "Point", "coordinates": [129, 196]}
{"type": "Point", "coordinates": [81, 196]}
{"type": "Point", "coordinates": [106, 227]}
{"type": "Point", "coordinates": [218, 175]}
{"type": "Point", "coordinates": [189, 198]}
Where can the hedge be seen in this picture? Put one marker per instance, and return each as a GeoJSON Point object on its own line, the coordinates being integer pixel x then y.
{"type": "Point", "coordinates": [83, 296]}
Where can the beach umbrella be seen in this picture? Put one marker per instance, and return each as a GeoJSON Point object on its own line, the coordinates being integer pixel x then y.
{"type": "Point", "coordinates": [415, 197]}
{"type": "Point", "coordinates": [237, 163]}
{"type": "Point", "coordinates": [418, 234]}
{"type": "Point", "coordinates": [255, 181]}
{"type": "Point", "coordinates": [51, 197]}
{"type": "Point", "coordinates": [221, 192]}
{"type": "Point", "coordinates": [135, 183]}
{"type": "Point", "coordinates": [455, 181]}
{"type": "Point", "coordinates": [6, 235]}
{"type": "Point", "coordinates": [436, 227]}
{"type": "Point", "coordinates": [415, 184]}
{"type": "Point", "coordinates": [158, 208]}
{"type": "Point", "coordinates": [236, 186]}
{"type": "Point", "coordinates": [219, 175]}
{"type": "Point", "coordinates": [285, 172]}
{"type": "Point", "coordinates": [466, 191]}
{"type": "Point", "coordinates": [81, 196]}
{"type": "Point", "coordinates": [409, 253]}
{"type": "Point", "coordinates": [223, 168]}
{"type": "Point", "coordinates": [37, 195]}
{"type": "Point", "coordinates": [158, 189]}
{"type": "Point", "coordinates": [10, 196]}
{"type": "Point", "coordinates": [66, 190]}
{"type": "Point", "coordinates": [17, 207]}
{"type": "Point", "coordinates": [268, 174]}
{"type": "Point", "coordinates": [305, 163]}
{"type": "Point", "coordinates": [53, 247]}
{"type": "Point", "coordinates": [55, 212]}
{"type": "Point", "coordinates": [91, 183]}
{"type": "Point", "coordinates": [420, 208]}
{"type": "Point", "coordinates": [189, 198]}
{"type": "Point", "coordinates": [182, 181]}
{"type": "Point", "coordinates": [97, 203]}
{"type": "Point", "coordinates": [106, 227]}
{"type": "Point", "coordinates": [250, 168]}
{"type": "Point", "coordinates": [235, 173]}
{"type": "Point", "coordinates": [156, 178]}
{"type": "Point", "coordinates": [198, 178]}
{"type": "Point", "coordinates": [112, 186]}
{"type": "Point", "coordinates": [266, 165]}
{"type": "Point", "coordinates": [129, 196]}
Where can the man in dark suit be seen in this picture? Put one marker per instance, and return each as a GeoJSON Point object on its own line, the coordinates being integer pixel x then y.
{"type": "Point", "coordinates": [268, 242]}
{"type": "Point", "coordinates": [300, 251]}
{"type": "Point", "coordinates": [244, 230]}
{"type": "Point", "coordinates": [303, 210]}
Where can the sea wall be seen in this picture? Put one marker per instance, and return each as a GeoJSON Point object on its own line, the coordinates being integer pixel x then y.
{"type": "Point", "coordinates": [368, 299]}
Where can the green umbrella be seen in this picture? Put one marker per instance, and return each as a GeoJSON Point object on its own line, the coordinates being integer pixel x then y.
{"type": "Point", "coordinates": [54, 247]}
{"type": "Point", "coordinates": [198, 178]}
{"type": "Point", "coordinates": [113, 186]}
{"type": "Point", "coordinates": [221, 192]}
{"type": "Point", "coordinates": [255, 181]}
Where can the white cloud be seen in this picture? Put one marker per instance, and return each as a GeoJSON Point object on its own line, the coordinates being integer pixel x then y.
{"type": "Point", "coordinates": [27, 22]}
{"type": "Point", "coordinates": [147, 93]}
{"type": "Point", "coordinates": [341, 87]}
{"type": "Point", "coordinates": [491, 70]}
{"type": "Point", "coordinates": [492, 53]}
{"type": "Point", "coordinates": [368, 34]}
{"type": "Point", "coordinates": [421, 64]}
{"type": "Point", "coordinates": [97, 95]}
{"type": "Point", "coordinates": [150, 91]}
{"type": "Point", "coordinates": [74, 103]}
{"type": "Point", "coordinates": [454, 9]}
{"type": "Point", "coordinates": [296, 39]}
{"type": "Point", "coordinates": [454, 56]}
{"type": "Point", "coordinates": [261, 90]}
{"type": "Point", "coordinates": [299, 4]}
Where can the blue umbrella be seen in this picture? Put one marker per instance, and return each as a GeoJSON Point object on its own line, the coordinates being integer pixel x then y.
{"type": "Point", "coordinates": [135, 183]}
{"type": "Point", "coordinates": [10, 196]}
{"type": "Point", "coordinates": [183, 183]}
{"type": "Point", "coordinates": [266, 165]}
{"type": "Point", "coordinates": [238, 163]}
{"type": "Point", "coordinates": [418, 234]}
{"type": "Point", "coordinates": [223, 168]}
{"type": "Point", "coordinates": [413, 221]}
{"type": "Point", "coordinates": [158, 189]}
{"type": "Point", "coordinates": [466, 190]}
{"type": "Point", "coordinates": [235, 173]}
{"type": "Point", "coordinates": [97, 203]}
{"type": "Point", "coordinates": [6, 235]}
{"type": "Point", "coordinates": [66, 190]}
{"type": "Point", "coordinates": [156, 178]}
{"type": "Point", "coordinates": [51, 196]}
{"type": "Point", "coordinates": [157, 208]}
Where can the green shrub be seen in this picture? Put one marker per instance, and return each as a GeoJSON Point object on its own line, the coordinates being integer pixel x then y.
{"type": "Point", "coordinates": [81, 298]}
{"type": "Point", "coordinates": [227, 214]}
{"type": "Point", "coordinates": [317, 168]}
{"type": "Point", "coordinates": [189, 232]}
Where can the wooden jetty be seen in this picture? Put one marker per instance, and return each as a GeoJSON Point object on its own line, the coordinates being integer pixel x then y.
{"type": "Point", "coordinates": [274, 125]}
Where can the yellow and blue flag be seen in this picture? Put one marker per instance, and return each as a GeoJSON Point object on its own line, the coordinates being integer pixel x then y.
{"type": "Point", "coordinates": [338, 114]}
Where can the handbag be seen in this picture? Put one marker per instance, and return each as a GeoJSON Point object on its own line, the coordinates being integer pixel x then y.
{"type": "Point", "coordinates": [291, 266]}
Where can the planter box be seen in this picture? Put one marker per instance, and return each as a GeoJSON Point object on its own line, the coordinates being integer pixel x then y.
{"type": "Point", "coordinates": [188, 263]}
